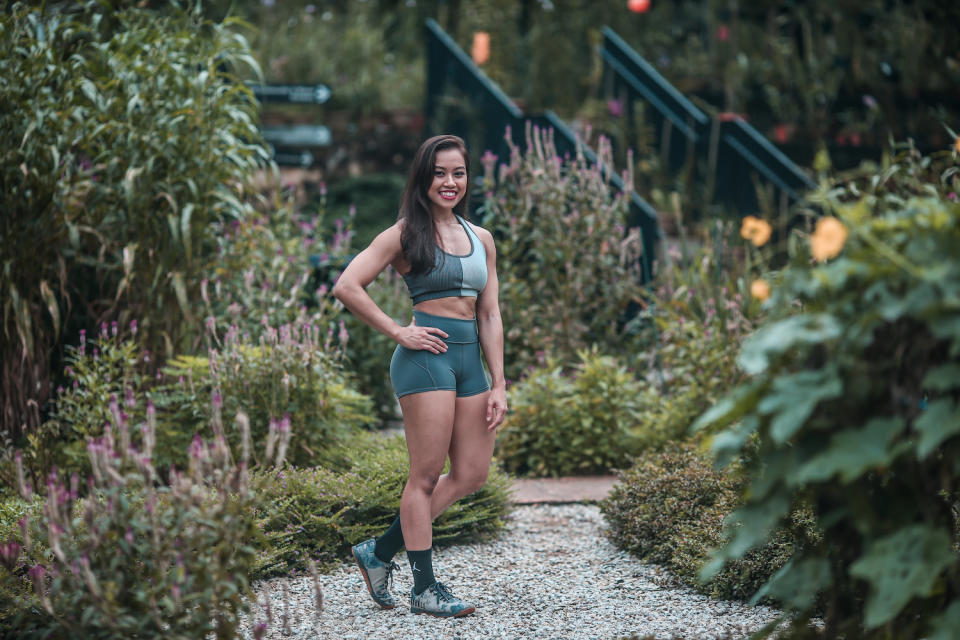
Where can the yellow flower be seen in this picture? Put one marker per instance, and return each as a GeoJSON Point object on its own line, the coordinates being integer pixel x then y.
{"type": "Point", "coordinates": [828, 239]}
{"type": "Point", "coordinates": [755, 230]}
{"type": "Point", "coordinates": [759, 289]}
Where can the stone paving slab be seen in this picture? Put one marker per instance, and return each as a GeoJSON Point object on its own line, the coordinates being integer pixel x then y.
{"type": "Point", "coordinates": [561, 490]}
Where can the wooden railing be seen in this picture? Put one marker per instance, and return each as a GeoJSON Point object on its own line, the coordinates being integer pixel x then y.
{"type": "Point", "coordinates": [729, 155]}
{"type": "Point", "coordinates": [464, 101]}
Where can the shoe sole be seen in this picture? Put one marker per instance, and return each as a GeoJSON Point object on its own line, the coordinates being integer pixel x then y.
{"type": "Point", "coordinates": [366, 579]}
{"type": "Point", "coordinates": [459, 614]}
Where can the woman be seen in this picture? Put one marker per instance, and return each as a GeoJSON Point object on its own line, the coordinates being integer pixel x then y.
{"type": "Point", "coordinates": [449, 266]}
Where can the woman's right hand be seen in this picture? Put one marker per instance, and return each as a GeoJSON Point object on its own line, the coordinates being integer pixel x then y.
{"type": "Point", "coordinates": [422, 338]}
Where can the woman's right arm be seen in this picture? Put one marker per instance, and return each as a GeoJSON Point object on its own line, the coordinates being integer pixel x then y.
{"type": "Point", "coordinates": [351, 286]}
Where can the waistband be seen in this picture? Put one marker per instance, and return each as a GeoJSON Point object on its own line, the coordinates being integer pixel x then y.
{"type": "Point", "coordinates": [459, 330]}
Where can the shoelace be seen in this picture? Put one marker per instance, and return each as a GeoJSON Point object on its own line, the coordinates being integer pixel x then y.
{"type": "Point", "coordinates": [393, 566]}
{"type": "Point", "coordinates": [443, 592]}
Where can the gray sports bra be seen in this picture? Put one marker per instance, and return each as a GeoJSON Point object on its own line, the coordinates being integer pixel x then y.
{"type": "Point", "coordinates": [453, 275]}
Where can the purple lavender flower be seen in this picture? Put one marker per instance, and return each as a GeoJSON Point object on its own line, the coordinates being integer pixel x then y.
{"type": "Point", "coordinates": [615, 107]}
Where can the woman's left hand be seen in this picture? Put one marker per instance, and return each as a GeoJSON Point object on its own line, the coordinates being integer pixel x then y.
{"type": "Point", "coordinates": [496, 407]}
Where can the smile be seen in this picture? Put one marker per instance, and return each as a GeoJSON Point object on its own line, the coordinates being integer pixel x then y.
{"type": "Point", "coordinates": [448, 195]}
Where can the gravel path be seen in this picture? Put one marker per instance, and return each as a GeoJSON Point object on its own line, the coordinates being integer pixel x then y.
{"type": "Point", "coordinates": [552, 576]}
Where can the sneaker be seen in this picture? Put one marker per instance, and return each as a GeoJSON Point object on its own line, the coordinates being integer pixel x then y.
{"type": "Point", "coordinates": [436, 600]}
{"type": "Point", "coordinates": [376, 573]}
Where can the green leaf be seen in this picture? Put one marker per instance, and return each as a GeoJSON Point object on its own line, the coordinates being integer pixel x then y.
{"type": "Point", "coordinates": [769, 342]}
{"type": "Point", "coordinates": [793, 398]}
{"type": "Point", "coordinates": [181, 292]}
{"type": "Point", "coordinates": [945, 626]}
{"type": "Point", "coordinates": [942, 378]}
{"type": "Point", "coordinates": [853, 451]}
{"type": "Point", "coordinates": [901, 566]}
{"type": "Point", "coordinates": [797, 583]}
{"type": "Point", "coordinates": [185, 229]}
{"type": "Point", "coordinates": [727, 444]}
{"type": "Point", "coordinates": [90, 90]}
{"type": "Point", "coordinates": [737, 404]}
{"type": "Point", "coordinates": [750, 526]}
{"type": "Point", "coordinates": [52, 305]}
{"type": "Point", "coordinates": [939, 421]}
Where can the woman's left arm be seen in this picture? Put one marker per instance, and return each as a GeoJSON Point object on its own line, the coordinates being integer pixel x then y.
{"type": "Point", "coordinates": [490, 329]}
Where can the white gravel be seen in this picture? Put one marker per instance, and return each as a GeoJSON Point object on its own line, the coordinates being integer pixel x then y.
{"type": "Point", "coordinates": [552, 575]}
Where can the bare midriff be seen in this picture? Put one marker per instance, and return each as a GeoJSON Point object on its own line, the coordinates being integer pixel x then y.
{"type": "Point", "coordinates": [463, 307]}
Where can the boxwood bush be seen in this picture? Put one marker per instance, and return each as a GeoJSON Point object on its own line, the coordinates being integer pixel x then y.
{"type": "Point", "coordinates": [669, 508]}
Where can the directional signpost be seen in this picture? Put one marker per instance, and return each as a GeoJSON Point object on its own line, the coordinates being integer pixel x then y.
{"type": "Point", "coordinates": [291, 93]}
{"type": "Point", "coordinates": [294, 138]}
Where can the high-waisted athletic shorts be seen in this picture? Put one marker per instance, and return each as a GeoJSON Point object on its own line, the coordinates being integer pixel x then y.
{"type": "Point", "coordinates": [458, 369]}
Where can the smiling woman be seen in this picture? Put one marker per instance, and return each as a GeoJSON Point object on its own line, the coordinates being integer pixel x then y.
{"type": "Point", "coordinates": [449, 407]}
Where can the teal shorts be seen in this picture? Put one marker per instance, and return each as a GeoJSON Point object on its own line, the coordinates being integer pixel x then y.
{"type": "Point", "coordinates": [459, 368]}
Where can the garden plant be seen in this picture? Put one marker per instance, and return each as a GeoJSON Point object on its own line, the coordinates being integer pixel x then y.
{"type": "Point", "coordinates": [850, 407]}
{"type": "Point", "coordinates": [126, 136]}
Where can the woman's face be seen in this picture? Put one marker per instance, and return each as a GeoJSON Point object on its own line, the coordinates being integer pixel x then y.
{"type": "Point", "coordinates": [449, 180]}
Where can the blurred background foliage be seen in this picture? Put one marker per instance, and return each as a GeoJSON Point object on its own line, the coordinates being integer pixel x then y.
{"type": "Point", "coordinates": [849, 73]}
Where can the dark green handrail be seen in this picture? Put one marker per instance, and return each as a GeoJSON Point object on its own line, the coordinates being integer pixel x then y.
{"type": "Point", "coordinates": [736, 152]}
{"type": "Point", "coordinates": [451, 73]}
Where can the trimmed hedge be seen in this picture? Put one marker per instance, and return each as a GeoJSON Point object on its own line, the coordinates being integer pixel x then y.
{"type": "Point", "coordinates": [669, 509]}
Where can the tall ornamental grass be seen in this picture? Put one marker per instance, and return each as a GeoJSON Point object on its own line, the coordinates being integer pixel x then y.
{"type": "Point", "coordinates": [123, 137]}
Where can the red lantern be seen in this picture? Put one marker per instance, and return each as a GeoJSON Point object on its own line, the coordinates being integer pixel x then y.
{"type": "Point", "coordinates": [638, 6]}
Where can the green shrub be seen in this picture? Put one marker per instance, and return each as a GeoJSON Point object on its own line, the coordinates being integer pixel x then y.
{"type": "Point", "coordinates": [852, 405]}
{"type": "Point", "coordinates": [318, 513]}
{"type": "Point", "coordinates": [103, 375]}
{"type": "Point", "coordinates": [137, 559]}
{"type": "Point", "coordinates": [669, 509]}
{"type": "Point", "coordinates": [571, 423]}
{"type": "Point", "coordinates": [125, 136]}
{"type": "Point", "coordinates": [263, 276]}
{"type": "Point", "coordinates": [290, 383]}
{"type": "Point", "coordinates": [688, 366]}
{"type": "Point", "coordinates": [567, 270]}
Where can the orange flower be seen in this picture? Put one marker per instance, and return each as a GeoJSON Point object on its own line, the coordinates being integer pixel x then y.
{"type": "Point", "coordinates": [759, 289]}
{"type": "Point", "coordinates": [755, 230]}
{"type": "Point", "coordinates": [956, 144]}
{"type": "Point", "coordinates": [481, 48]}
{"type": "Point", "coordinates": [828, 239]}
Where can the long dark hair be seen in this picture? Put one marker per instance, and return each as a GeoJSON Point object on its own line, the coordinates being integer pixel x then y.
{"type": "Point", "coordinates": [418, 236]}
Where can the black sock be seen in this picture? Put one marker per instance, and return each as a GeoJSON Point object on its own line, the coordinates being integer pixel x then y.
{"type": "Point", "coordinates": [389, 543]}
{"type": "Point", "coordinates": [421, 566]}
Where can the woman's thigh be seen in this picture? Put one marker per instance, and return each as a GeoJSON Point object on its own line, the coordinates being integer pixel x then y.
{"type": "Point", "coordinates": [428, 421]}
{"type": "Point", "coordinates": [471, 446]}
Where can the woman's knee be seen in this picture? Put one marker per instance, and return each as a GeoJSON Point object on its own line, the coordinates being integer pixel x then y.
{"type": "Point", "coordinates": [425, 481]}
{"type": "Point", "coordinates": [471, 480]}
